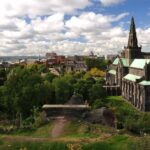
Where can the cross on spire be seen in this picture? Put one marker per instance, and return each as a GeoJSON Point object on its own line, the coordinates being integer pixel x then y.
{"type": "Point", "coordinates": [132, 41]}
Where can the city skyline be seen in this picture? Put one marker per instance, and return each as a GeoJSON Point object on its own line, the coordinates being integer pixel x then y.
{"type": "Point", "coordinates": [76, 27]}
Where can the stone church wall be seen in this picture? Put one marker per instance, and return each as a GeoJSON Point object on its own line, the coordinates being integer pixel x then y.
{"type": "Point", "coordinates": [138, 72]}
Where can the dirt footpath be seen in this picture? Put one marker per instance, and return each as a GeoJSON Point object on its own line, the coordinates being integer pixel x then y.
{"type": "Point", "coordinates": [58, 127]}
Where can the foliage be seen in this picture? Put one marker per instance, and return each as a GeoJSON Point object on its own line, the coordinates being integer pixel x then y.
{"type": "Point", "coordinates": [49, 77]}
{"type": "Point", "coordinates": [3, 74]}
{"type": "Point", "coordinates": [33, 86]}
{"type": "Point", "coordinates": [128, 117]}
{"type": "Point", "coordinates": [96, 62]}
{"type": "Point", "coordinates": [95, 72]}
{"type": "Point", "coordinates": [63, 89]}
{"type": "Point", "coordinates": [96, 92]}
{"type": "Point", "coordinates": [98, 103]}
{"type": "Point", "coordinates": [24, 89]}
{"type": "Point", "coordinates": [39, 117]}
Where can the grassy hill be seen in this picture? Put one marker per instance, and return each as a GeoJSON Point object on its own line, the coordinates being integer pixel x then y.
{"type": "Point", "coordinates": [116, 142]}
{"type": "Point", "coordinates": [80, 135]}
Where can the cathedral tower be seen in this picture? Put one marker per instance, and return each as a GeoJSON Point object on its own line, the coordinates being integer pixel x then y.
{"type": "Point", "coordinates": [132, 41]}
{"type": "Point", "coordinates": [132, 51]}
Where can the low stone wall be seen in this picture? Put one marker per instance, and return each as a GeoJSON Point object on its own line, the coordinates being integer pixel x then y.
{"type": "Point", "coordinates": [70, 112]}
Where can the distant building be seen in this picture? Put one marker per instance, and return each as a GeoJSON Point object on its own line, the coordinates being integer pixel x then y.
{"type": "Point", "coordinates": [54, 59]}
{"type": "Point", "coordinates": [65, 64]}
{"type": "Point", "coordinates": [129, 74]}
{"type": "Point", "coordinates": [75, 63]}
{"type": "Point", "coordinates": [51, 55]}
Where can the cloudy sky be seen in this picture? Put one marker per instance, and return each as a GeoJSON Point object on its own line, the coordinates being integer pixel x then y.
{"type": "Point", "coordinates": [33, 27]}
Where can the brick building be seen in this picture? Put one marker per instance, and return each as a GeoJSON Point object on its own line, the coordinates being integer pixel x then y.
{"type": "Point", "coordinates": [54, 59]}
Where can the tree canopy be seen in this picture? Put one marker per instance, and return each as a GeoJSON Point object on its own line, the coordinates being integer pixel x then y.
{"type": "Point", "coordinates": [26, 88]}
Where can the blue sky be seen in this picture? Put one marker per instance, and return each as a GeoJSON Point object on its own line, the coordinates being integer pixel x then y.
{"type": "Point", "coordinates": [137, 8]}
{"type": "Point", "coordinates": [33, 27]}
{"type": "Point", "coordinates": [140, 9]}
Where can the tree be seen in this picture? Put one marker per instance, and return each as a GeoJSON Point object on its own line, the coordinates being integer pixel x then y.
{"type": "Point", "coordinates": [49, 93]}
{"type": "Point", "coordinates": [96, 63]}
{"type": "Point", "coordinates": [49, 77]}
{"type": "Point", "coordinates": [83, 86]}
{"type": "Point", "coordinates": [2, 76]}
{"type": "Point", "coordinates": [24, 89]}
{"type": "Point", "coordinates": [95, 72]}
{"type": "Point", "coordinates": [63, 90]}
{"type": "Point", "coordinates": [96, 92]}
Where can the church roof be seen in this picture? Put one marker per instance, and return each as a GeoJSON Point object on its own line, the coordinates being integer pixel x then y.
{"type": "Point", "coordinates": [116, 61]}
{"type": "Point", "coordinates": [144, 82]}
{"type": "Point", "coordinates": [132, 77]}
{"type": "Point", "coordinates": [112, 72]}
{"type": "Point", "coordinates": [124, 62]}
{"type": "Point", "coordinates": [139, 63]}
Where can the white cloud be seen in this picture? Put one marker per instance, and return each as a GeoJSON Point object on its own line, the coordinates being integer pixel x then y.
{"type": "Point", "coordinates": [78, 35]}
{"type": "Point", "coordinates": [87, 21]}
{"type": "Point", "coordinates": [107, 3]}
{"type": "Point", "coordinates": [55, 34]}
{"type": "Point", "coordinates": [54, 23]}
{"type": "Point", "coordinates": [95, 27]}
{"type": "Point", "coordinates": [34, 8]}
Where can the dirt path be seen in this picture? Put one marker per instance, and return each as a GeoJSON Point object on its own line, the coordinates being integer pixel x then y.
{"type": "Point", "coordinates": [58, 127]}
{"type": "Point", "coordinates": [10, 138]}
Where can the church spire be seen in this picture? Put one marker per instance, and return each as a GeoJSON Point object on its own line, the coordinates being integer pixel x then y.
{"type": "Point", "coordinates": [132, 41]}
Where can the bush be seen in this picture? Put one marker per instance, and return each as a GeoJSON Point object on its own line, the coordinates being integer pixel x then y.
{"type": "Point", "coordinates": [98, 103]}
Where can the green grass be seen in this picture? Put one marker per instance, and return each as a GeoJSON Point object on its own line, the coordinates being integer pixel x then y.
{"type": "Point", "coordinates": [122, 109]}
{"type": "Point", "coordinates": [43, 131]}
{"type": "Point", "coordinates": [115, 143]}
{"type": "Point", "coordinates": [81, 129]}
{"type": "Point", "coordinates": [78, 129]}
{"type": "Point", "coordinates": [34, 146]}
{"type": "Point", "coordinates": [1, 142]}
{"type": "Point", "coordinates": [119, 142]}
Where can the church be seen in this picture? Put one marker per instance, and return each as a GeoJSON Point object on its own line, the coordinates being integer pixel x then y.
{"type": "Point", "coordinates": [129, 74]}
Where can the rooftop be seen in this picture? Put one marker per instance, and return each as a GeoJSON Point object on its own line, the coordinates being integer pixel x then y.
{"type": "Point", "coordinates": [124, 62]}
{"type": "Point", "coordinates": [132, 77]}
{"type": "Point", "coordinates": [112, 72]}
{"type": "Point", "coordinates": [145, 83]}
{"type": "Point", "coordinates": [139, 63]}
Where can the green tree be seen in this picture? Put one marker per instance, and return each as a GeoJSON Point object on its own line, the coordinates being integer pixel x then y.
{"type": "Point", "coordinates": [24, 89]}
{"type": "Point", "coordinates": [2, 76]}
{"type": "Point", "coordinates": [49, 77]}
{"type": "Point", "coordinates": [49, 93]}
{"type": "Point", "coordinates": [83, 86]}
{"type": "Point", "coordinates": [96, 92]}
{"type": "Point", "coordinates": [96, 63]}
{"type": "Point", "coordinates": [63, 90]}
